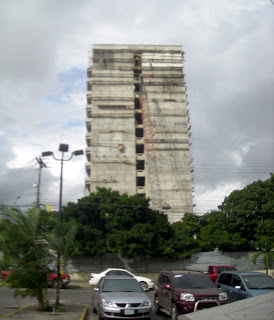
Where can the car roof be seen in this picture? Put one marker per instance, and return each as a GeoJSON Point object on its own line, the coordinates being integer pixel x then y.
{"type": "Point", "coordinates": [242, 273]}
{"type": "Point", "coordinates": [181, 271]}
{"type": "Point", "coordinates": [119, 278]}
{"type": "Point", "coordinates": [116, 269]}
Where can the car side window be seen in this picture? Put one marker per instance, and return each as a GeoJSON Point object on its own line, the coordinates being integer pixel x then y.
{"type": "Point", "coordinates": [111, 273]}
{"type": "Point", "coordinates": [225, 279]}
{"type": "Point", "coordinates": [222, 278]}
{"type": "Point", "coordinates": [163, 279]}
{"type": "Point", "coordinates": [123, 273]}
{"type": "Point", "coordinates": [236, 281]}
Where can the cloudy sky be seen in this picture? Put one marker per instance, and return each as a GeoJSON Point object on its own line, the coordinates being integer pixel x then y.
{"type": "Point", "coordinates": [45, 48]}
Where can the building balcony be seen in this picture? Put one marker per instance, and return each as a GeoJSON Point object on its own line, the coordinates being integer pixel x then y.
{"type": "Point", "coordinates": [88, 139]}
{"type": "Point", "coordinates": [141, 173]}
{"type": "Point", "coordinates": [88, 154]}
{"type": "Point", "coordinates": [140, 140]}
{"type": "Point", "coordinates": [88, 125]}
{"type": "Point", "coordinates": [88, 168]}
{"type": "Point", "coordinates": [88, 110]}
{"type": "Point", "coordinates": [141, 190]}
{"type": "Point", "coordinates": [140, 156]}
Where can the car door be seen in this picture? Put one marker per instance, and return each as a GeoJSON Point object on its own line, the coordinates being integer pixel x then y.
{"type": "Point", "coordinates": [237, 290]}
{"type": "Point", "coordinates": [161, 290]}
{"type": "Point", "coordinates": [96, 291]}
{"type": "Point", "coordinates": [167, 294]}
{"type": "Point", "coordinates": [224, 280]}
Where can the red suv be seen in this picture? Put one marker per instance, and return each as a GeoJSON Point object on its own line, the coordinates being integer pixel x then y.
{"type": "Point", "coordinates": [182, 291]}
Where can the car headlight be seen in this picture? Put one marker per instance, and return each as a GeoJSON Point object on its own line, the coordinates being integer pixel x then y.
{"type": "Point", "coordinates": [222, 296]}
{"type": "Point", "coordinates": [146, 303]}
{"type": "Point", "coordinates": [108, 303]}
{"type": "Point", "coordinates": [187, 297]}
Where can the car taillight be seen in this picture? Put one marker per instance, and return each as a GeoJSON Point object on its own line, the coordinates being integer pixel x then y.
{"type": "Point", "coordinates": [91, 277]}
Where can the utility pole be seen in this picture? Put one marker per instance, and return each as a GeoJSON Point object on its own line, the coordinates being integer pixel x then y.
{"type": "Point", "coordinates": [41, 165]}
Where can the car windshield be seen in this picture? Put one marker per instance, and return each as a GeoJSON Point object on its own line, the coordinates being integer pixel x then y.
{"type": "Point", "coordinates": [121, 285]}
{"type": "Point", "coordinates": [258, 281]}
{"type": "Point", "coordinates": [193, 281]}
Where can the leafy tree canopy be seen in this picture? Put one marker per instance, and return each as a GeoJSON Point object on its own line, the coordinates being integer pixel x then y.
{"type": "Point", "coordinates": [243, 218]}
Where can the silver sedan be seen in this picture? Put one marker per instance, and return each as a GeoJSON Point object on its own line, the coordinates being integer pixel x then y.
{"type": "Point", "coordinates": [121, 297]}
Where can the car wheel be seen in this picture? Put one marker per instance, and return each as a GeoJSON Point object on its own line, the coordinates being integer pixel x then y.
{"type": "Point", "coordinates": [174, 312]}
{"type": "Point", "coordinates": [143, 285]}
{"type": "Point", "coordinates": [156, 305]}
{"type": "Point", "coordinates": [55, 283]}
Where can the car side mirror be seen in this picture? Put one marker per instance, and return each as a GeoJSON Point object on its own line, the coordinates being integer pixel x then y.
{"type": "Point", "coordinates": [167, 286]}
{"type": "Point", "coordinates": [218, 285]}
{"type": "Point", "coordinates": [96, 289]}
{"type": "Point", "coordinates": [238, 287]}
{"type": "Point", "coordinates": [146, 289]}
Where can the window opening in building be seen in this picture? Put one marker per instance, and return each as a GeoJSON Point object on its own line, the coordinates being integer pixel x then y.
{"type": "Point", "coordinates": [137, 60]}
{"type": "Point", "coordinates": [89, 87]}
{"type": "Point", "coordinates": [140, 181]}
{"type": "Point", "coordinates": [89, 73]}
{"type": "Point", "coordinates": [137, 87]}
{"type": "Point", "coordinates": [141, 194]}
{"type": "Point", "coordinates": [137, 103]}
{"type": "Point", "coordinates": [139, 132]}
{"type": "Point", "coordinates": [89, 100]}
{"type": "Point", "coordinates": [140, 148]}
{"type": "Point", "coordinates": [138, 118]}
{"type": "Point", "coordinates": [137, 73]}
{"type": "Point", "coordinates": [140, 164]}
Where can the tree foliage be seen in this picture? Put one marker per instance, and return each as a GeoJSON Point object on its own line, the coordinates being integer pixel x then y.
{"type": "Point", "coordinates": [21, 243]}
{"type": "Point", "coordinates": [28, 243]}
{"type": "Point", "coordinates": [110, 222]}
{"type": "Point", "coordinates": [243, 218]}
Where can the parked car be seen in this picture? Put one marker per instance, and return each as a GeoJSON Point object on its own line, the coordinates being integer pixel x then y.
{"type": "Point", "coordinates": [52, 278]}
{"type": "Point", "coordinates": [214, 271]}
{"type": "Point", "coordinates": [184, 291]}
{"type": "Point", "coordinates": [144, 282]}
{"type": "Point", "coordinates": [121, 297]}
{"type": "Point", "coordinates": [241, 285]}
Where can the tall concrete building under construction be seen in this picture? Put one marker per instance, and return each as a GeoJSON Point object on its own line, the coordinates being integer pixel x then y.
{"type": "Point", "coordinates": [138, 126]}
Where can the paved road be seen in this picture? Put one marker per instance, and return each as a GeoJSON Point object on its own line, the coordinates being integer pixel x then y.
{"type": "Point", "coordinates": [71, 295]}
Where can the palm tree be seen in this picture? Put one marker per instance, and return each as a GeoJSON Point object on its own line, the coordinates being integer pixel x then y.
{"type": "Point", "coordinates": [265, 246]}
{"type": "Point", "coordinates": [21, 242]}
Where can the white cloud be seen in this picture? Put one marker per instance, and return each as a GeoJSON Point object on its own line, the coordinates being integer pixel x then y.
{"type": "Point", "coordinates": [212, 198]}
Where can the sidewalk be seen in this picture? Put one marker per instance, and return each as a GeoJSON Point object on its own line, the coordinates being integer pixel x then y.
{"type": "Point", "coordinates": [29, 311]}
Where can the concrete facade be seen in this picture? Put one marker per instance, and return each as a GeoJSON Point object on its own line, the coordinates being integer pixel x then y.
{"type": "Point", "coordinates": [138, 125]}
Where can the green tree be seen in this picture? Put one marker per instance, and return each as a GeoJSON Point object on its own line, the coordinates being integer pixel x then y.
{"type": "Point", "coordinates": [183, 242]}
{"type": "Point", "coordinates": [217, 232]}
{"type": "Point", "coordinates": [243, 217]}
{"type": "Point", "coordinates": [265, 246]}
{"type": "Point", "coordinates": [110, 222]}
{"type": "Point", "coordinates": [22, 245]}
{"type": "Point", "coordinates": [62, 240]}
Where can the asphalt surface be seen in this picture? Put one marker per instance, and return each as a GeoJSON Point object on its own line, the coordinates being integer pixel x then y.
{"type": "Point", "coordinates": [76, 298]}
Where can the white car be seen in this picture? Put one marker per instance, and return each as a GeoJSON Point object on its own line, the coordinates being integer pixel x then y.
{"type": "Point", "coordinates": [145, 283]}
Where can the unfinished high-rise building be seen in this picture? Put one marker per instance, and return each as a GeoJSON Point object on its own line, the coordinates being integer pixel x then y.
{"type": "Point", "coordinates": [138, 125]}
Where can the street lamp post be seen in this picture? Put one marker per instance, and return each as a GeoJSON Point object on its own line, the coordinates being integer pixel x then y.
{"type": "Point", "coordinates": [63, 148]}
